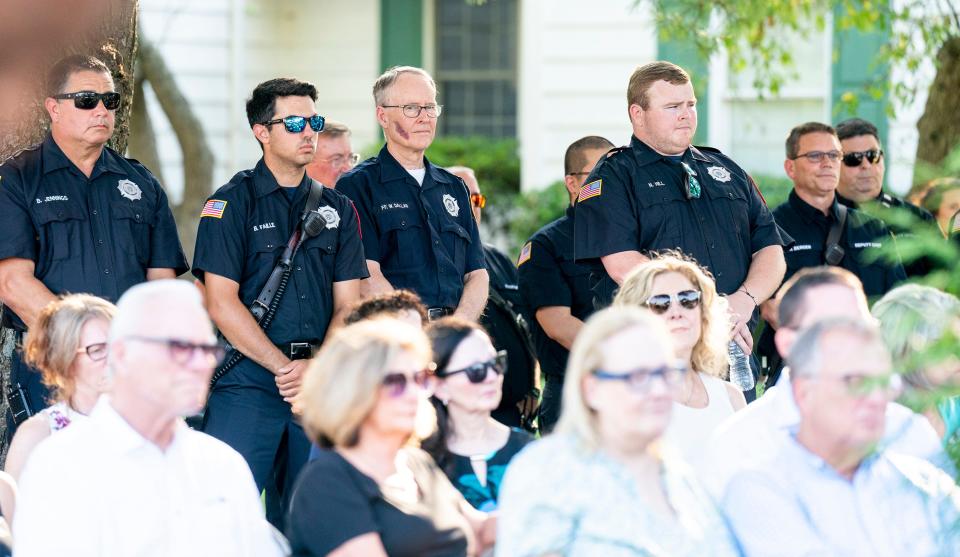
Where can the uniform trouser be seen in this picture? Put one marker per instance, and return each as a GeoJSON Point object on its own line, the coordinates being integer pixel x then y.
{"type": "Point", "coordinates": [35, 392]}
{"type": "Point", "coordinates": [246, 411]}
{"type": "Point", "coordinates": [550, 403]}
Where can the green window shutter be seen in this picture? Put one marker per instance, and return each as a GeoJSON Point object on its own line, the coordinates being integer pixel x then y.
{"type": "Point", "coordinates": [401, 33]}
{"type": "Point", "coordinates": [854, 72]}
{"type": "Point", "coordinates": [688, 58]}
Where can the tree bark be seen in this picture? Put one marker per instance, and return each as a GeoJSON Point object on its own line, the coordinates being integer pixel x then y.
{"type": "Point", "coordinates": [143, 139]}
{"type": "Point", "coordinates": [939, 127]}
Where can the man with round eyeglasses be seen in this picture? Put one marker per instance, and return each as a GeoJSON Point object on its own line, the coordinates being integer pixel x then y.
{"type": "Point", "coordinates": [76, 216]}
{"type": "Point", "coordinates": [334, 154]}
{"type": "Point", "coordinates": [246, 227]}
{"type": "Point", "coordinates": [418, 229]}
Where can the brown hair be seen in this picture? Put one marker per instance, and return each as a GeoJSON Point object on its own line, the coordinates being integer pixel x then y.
{"type": "Point", "coordinates": [646, 75]}
{"type": "Point", "coordinates": [575, 158]}
{"type": "Point", "coordinates": [387, 304]}
{"type": "Point", "coordinates": [53, 341]}
{"type": "Point", "coordinates": [793, 139]}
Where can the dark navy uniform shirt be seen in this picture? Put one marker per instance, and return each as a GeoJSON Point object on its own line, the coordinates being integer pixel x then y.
{"type": "Point", "coordinates": [550, 277]}
{"type": "Point", "coordinates": [919, 267]}
{"type": "Point", "coordinates": [246, 241]}
{"type": "Point", "coordinates": [635, 201]}
{"type": "Point", "coordinates": [861, 235]}
{"type": "Point", "coordinates": [96, 235]}
{"type": "Point", "coordinates": [425, 238]}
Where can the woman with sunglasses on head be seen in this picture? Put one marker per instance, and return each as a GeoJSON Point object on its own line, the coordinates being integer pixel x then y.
{"type": "Point", "coordinates": [68, 346]}
{"type": "Point", "coordinates": [599, 485]}
{"type": "Point", "coordinates": [471, 447]}
{"type": "Point", "coordinates": [682, 294]}
{"type": "Point", "coordinates": [371, 492]}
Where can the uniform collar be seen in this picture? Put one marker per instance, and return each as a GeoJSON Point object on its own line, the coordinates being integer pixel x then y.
{"type": "Point", "coordinates": [390, 169]}
{"type": "Point", "coordinates": [55, 159]}
{"type": "Point", "coordinates": [571, 211]}
{"type": "Point", "coordinates": [809, 212]}
{"type": "Point", "coordinates": [264, 182]}
{"type": "Point", "coordinates": [646, 155]}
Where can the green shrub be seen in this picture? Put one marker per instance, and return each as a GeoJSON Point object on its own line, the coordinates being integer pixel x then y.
{"type": "Point", "coordinates": [774, 189]}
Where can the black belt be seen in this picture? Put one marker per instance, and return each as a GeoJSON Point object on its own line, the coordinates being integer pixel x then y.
{"type": "Point", "coordinates": [438, 312]}
{"type": "Point", "coordinates": [299, 350]}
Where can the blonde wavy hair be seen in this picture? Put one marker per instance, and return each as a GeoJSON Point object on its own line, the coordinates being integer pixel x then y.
{"type": "Point", "coordinates": [341, 386]}
{"type": "Point", "coordinates": [52, 342]}
{"type": "Point", "coordinates": [586, 355]}
{"type": "Point", "coordinates": [710, 352]}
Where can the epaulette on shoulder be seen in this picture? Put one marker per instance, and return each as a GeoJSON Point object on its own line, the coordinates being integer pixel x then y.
{"type": "Point", "coordinates": [709, 149]}
{"type": "Point", "coordinates": [616, 150]}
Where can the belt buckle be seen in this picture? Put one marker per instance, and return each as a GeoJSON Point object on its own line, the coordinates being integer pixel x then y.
{"type": "Point", "coordinates": [436, 313]}
{"type": "Point", "coordinates": [300, 350]}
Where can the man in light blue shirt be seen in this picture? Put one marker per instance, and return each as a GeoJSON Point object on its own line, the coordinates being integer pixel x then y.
{"type": "Point", "coordinates": [829, 488]}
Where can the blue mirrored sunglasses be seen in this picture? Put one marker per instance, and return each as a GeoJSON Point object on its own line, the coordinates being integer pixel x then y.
{"type": "Point", "coordinates": [296, 124]}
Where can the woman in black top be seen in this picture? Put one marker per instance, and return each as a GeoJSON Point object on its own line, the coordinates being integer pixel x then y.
{"type": "Point", "coordinates": [371, 493]}
{"type": "Point", "coordinates": [470, 446]}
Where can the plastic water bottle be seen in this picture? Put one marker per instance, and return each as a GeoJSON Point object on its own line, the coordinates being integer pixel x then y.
{"type": "Point", "coordinates": [740, 373]}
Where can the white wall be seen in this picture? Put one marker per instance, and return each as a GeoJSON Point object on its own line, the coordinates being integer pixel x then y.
{"type": "Point", "coordinates": [575, 60]}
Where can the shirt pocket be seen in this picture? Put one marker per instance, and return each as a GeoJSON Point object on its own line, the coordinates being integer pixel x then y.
{"type": "Point", "coordinates": [455, 240]}
{"type": "Point", "coordinates": [321, 252]}
{"type": "Point", "coordinates": [403, 246]}
{"type": "Point", "coordinates": [732, 210]}
{"type": "Point", "coordinates": [61, 224]}
{"type": "Point", "coordinates": [133, 229]}
{"type": "Point", "coordinates": [662, 211]}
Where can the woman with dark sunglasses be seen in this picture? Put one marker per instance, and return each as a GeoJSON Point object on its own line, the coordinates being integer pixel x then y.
{"type": "Point", "coordinates": [470, 446]}
{"type": "Point", "coordinates": [371, 492]}
{"type": "Point", "coordinates": [68, 345]}
{"type": "Point", "coordinates": [682, 294]}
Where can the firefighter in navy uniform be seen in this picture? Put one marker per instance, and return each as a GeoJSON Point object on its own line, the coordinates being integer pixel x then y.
{"type": "Point", "coordinates": [245, 228]}
{"type": "Point", "coordinates": [554, 286]}
{"type": "Point", "coordinates": [76, 216]}
{"type": "Point", "coordinates": [662, 193]}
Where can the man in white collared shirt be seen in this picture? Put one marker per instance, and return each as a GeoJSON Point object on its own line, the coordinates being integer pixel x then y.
{"type": "Point", "coordinates": [134, 479]}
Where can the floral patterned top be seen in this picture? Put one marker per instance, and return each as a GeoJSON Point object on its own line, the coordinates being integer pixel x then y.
{"type": "Point", "coordinates": [559, 497]}
{"type": "Point", "coordinates": [60, 415]}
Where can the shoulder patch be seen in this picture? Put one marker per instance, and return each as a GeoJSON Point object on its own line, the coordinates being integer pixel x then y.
{"type": "Point", "coordinates": [592, 189]}
{"type": "Point", "coordinates": [213, 208]}
{"type": "Point", "coordinates": [525, 253]}
{"type": "Point", "coordinates": [757, 188]}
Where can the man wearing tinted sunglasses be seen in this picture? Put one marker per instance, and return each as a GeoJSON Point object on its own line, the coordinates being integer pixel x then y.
{"type": "Point", "coordinates": [75, 215]}
{"type": "Point", "coordinates": [418, 229]}
{"type": "Point", "coordinates": [245, 228]}
{"type": "Point", "coordinates": [861, 179]}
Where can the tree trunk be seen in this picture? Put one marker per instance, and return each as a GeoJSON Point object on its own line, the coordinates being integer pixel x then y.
{"type": "Point", "coordinates": [197, 156]}
{"type": "Point", "coordinates": [106, 29]}
{"type": "Point", "coordinates": [939, 127]}
{"type": "Point", "coordinates": [143, 139]}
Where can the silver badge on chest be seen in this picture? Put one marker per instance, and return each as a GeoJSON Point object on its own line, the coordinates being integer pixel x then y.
{"type": "Point", "coordinates": [451, 205]}
{"type": "Point", "coordinates": [329, 216]}
{"type": "Point", "coordinates": [719, 173]}
{"type": "Point", "coordinates": [129, 190]}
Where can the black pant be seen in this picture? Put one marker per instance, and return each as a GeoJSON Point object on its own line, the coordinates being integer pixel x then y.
{"type": "Point", "coordinates": [550, 404]}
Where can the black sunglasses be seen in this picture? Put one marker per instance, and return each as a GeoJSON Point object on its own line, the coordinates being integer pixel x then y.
{"type": "Point", "coordinates": [396, 382]}
{"type": "Point", "coordinates": [88, 100]}
{"type": "Point", "coordinates": [181, 350]}
{"type": "Point", "coordinates": [660, 303]}
{"type": "Point", "coordinates": [477, 373]}
{"type": "Point", "coordinates": [856, 158]}
{"type": "Point", "coordinates": [296, 124]}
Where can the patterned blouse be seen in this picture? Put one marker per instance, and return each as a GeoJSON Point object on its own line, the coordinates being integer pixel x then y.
{"type": "Point", "coordinates": [60, 415]}
{"type": "Point", "coordinates": [561, 498]}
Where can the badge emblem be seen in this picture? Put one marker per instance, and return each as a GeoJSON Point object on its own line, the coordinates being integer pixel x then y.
{"type": "Point", "coordinates": [329, 216]}
{"type": "Point", "coordinates": [719, 173]}
{"type": "Point", "coordinates": [129, 190]}
{"type": "Point", "coordinates": [451, 205]}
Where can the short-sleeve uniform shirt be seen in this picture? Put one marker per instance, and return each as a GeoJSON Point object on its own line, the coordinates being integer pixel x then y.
{"type": "Point", "coordinates": [95, 235]}
{"type": "Point", "coordinates": [244, 230]}
{"type": "Point", "coordinates": [861, 236]}
{"type": "Point", "coordinates": [635, 200]}
{"type": "Point", "coordinates": [424, 237]}
{"type": "Point", "coordinates": [549, 276]}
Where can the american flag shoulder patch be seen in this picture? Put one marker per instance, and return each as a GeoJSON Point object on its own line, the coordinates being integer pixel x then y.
{"type": "Point", "coordinates": [590, 190]}
{"type": "Point", "coordinates": [525, 252]}
{"type": "Point", "coordinates": [213, 208]}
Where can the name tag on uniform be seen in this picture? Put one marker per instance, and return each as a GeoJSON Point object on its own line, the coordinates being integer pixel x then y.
{"type": "Point", "coordinates": [862, 245]}
{"type": "Point", "coordinates": [801, 247]}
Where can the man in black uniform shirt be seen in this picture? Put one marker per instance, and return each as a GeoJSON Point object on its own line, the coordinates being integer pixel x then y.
{"type": "Point", "coordinates": [244, 228]}
{"type": "Point", "coordinates": [554, 286]}
{"type": "Point", "coordinates": [75, 215]}
{"type": "Point", "coordinates": [663, 193]}
{"type": "Point", "coordinates": [505, 318]}
{"type": "Point", "coordinates": [418, 231]}
{"type": "Point", "coordinates": [861, 179]}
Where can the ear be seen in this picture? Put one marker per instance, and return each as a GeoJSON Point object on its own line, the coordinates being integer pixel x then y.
{"type": "Point", "coordinates": [262, 133]}
{"type": "Point", "coordinates": [441, 391]}
{"type": "Point", "coordinates": [783, 340]}
{"type": "Point", "coordinates": [636, 114]}
{"type": "Point", "coordinates": [801, 391]}
{"type": "Point", "coordinates": [53, 108]}
{"type": "Point", "coordinates": [572, 184]}
{"type": "Point", "coordinates": [790, 168]}
{"type": "Point", "coordinates": [382, 117]}
{"type": "Point", "coordinates": [588, 388]}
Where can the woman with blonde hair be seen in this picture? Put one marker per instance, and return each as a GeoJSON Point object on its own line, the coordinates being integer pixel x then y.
{"type": "Point", "coordinates": [684, 296]}
{"type": "Point", "coordinates": [68, 345]}
{"type": "Point", "coordinates": [371, 492]}
{"type": "Point", "coordinates": [599, 485]}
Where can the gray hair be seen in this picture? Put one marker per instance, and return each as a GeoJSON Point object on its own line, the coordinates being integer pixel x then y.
{"type": "Point", "coordinates": [140, 304]}
{"type": "Point", "coordinates": [387, 79]}
{"type": "Point", "coordinates": [333, 128]}
{"type": "Point", "coordinates": [807, 355]}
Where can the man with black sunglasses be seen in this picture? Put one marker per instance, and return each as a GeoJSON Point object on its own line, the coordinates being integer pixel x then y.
{"type": "Point", "coordinates": [861, 180]}
{"type": "Point", "coordinates": [76, 216]}
{"type": "Point", "coordinates": [245, 228]}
